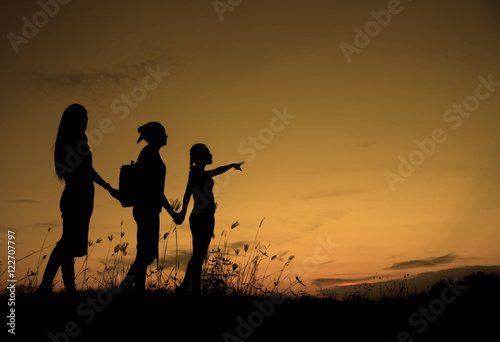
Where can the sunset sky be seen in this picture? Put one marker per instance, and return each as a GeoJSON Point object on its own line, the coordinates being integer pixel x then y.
{"type": "Point", "coordinates": [337, 145]}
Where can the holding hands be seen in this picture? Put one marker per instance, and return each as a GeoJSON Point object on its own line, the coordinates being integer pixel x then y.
{"type": "Point", "coordinates": [178, 217]}
{"type": "Point", "coordinates": [115, 193]}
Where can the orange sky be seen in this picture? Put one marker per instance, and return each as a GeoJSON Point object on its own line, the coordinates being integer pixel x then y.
{"type": "Point", "coordinates": [317, 174]}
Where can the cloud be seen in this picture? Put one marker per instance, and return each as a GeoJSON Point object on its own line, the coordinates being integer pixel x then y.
{"type": "Point", "coordinates": [312, 227]}
{"type": "Point", "coordinates": [22, 201]}
{"type": "Point", "coordinates": [48, 224]}
{"type": "Point", "coordinates": [324, 282]}
{"type": "Point", "coordinates": [183, 257]}
{"type": "Point", "coordinates": [169, 261]}
{"type": "Point", "coordinates": [97, 83]}
{"type": "Point", "coordinates": [103, 83]}
{"type": "Point", "coordinates": [429, 262]}
{"type": "Point", "coordinates": [333, 193]}
{"type": "Point", "coordinates": [239, 245]}
{"type": "Point", "coordinates": [366, 144]}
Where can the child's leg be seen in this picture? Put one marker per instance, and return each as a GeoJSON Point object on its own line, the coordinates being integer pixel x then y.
{"type": "Point", "coordinates": [201, 241]}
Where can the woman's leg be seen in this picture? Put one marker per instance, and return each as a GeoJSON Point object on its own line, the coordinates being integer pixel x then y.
{"type": "Point", "coordinates": [68, 273]}
{"type": "Point", "coordinates": [131, 276]}
{"type": "Point", "coordinates": [141, 267]}
{"type": "Point", "coordinates": [55, 260]}
{"type": "Point", "coordinates": [137, 272]}
{"type": "Point", "coordinates": [188, 277]}
{"type": "Point", "coordinates": [148, 228]}
{"type": "Point", "coordinates": [59, 258]}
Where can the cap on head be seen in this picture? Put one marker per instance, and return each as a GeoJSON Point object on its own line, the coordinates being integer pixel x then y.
{"type": "Point", "coordinates": [150, 131]}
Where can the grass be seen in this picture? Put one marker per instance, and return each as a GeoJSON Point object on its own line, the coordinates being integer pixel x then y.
{"type": "Point", "coordinates": [238, 289]}
{"type": "Point", "coordinates": [226, 271]}
{"type": "Point", "coordinates": [472, 316]}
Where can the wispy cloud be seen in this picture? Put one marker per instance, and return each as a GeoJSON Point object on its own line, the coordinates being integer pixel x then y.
{"type": "Point", "coordinates": [99, 82]}
{"type": "Point", "coordinates": [366, 144]}
{"type": "Point", "coordinates": [48, 224]}
{"type": "Point", "coordinates": [325, 282]}
{"type": "Point", "coordinates": [182, 258]}
{"type": "Point", "coordinates": [333, 193]}
{"type": "Point", "coordinates": [27, 201]}
{"type": "Point", "coordinates": [428, 262]}
{"type": "Point", "coordinates": [238, 244]}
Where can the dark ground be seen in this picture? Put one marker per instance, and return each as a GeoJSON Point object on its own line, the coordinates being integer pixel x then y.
{"type": "Point", "coordinates": [463, 311]}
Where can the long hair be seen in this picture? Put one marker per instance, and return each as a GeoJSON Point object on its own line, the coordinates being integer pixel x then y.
{"type": "Point", "coordinates": [70, 138]}
{"type": "Point", "coordinates": [196, 153]}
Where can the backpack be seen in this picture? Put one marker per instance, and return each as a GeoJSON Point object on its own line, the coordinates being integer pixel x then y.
{"type": "Point", "coordinates": [129, 185]}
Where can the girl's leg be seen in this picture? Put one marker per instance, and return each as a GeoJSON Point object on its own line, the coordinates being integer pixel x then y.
{"type": "Point", "coordinates": [202, 228]}
{"type": "Point", "coordinates": [194, 267]}
{"type": "Point", "coordinates": [200, 247]}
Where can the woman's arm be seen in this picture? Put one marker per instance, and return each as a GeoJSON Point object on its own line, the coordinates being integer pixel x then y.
{"type": "Point", "coordinates": [222, 169]}
{"type": "Point", "coordinates": [98, 179]}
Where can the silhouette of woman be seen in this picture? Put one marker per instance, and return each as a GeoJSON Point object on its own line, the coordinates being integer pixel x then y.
{"type": "Point", "coordinates": [73, 165]}
{"type": "Point", "coordinates": [202, 219]}
{"type": "Point", "coordinates": [149, 202]}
